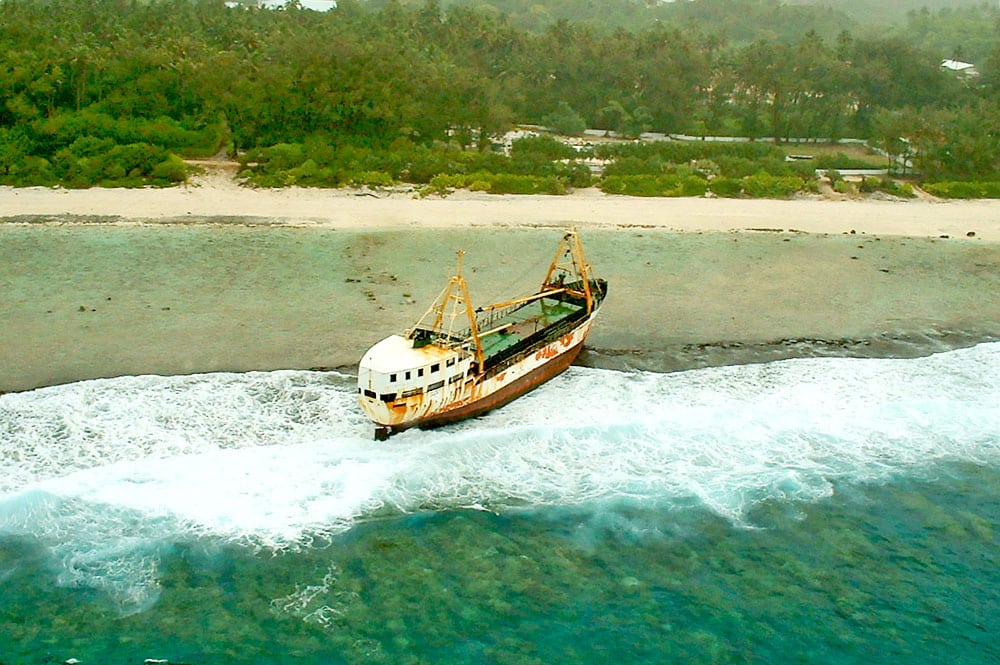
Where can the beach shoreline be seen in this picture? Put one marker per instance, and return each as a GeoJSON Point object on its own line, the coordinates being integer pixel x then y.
{"type": "Point", "coordinates": [218, 196]}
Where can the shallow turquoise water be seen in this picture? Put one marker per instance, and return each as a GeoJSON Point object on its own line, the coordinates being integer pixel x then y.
{"type": "Point", "coordinates": [82, 301]}
{"type": "Point", "coordinates": [810, 510]}
{"type": "Point", "coordinates": [900, 572]}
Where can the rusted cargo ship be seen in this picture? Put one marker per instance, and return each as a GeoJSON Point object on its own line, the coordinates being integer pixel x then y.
{"type": "Point", "coordinates": [458, 362]}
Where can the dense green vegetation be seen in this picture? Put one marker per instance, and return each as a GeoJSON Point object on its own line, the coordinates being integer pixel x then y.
{"type": "Point", "coordinates": [114, 92]}
{"type": "Point", "coordinates": [964, 29]}
{"type": "Point", "coordinates": [733, 20]}
{"type": "Point", "coordinates": [740, 20]}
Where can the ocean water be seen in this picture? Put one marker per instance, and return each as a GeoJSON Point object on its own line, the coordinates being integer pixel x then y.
{"type": "Point", "coordinates": [812, 510]}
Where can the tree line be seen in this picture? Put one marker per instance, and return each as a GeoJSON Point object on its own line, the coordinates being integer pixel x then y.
{"type": "Point", "coordinates": [110, 91]}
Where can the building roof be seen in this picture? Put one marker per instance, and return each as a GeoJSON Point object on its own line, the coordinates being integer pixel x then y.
{"type": "Point", "coordinates": [956, 65]}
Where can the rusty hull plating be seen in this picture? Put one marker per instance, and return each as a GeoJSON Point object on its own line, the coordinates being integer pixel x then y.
{"type": "Point", "coordinates": [458, 362]}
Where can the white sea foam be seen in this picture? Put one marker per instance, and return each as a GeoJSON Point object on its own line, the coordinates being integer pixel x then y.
{"type": "Point", "coordinates": [51, 433]}
{"type": "Point", "coordinates": [101, 471]}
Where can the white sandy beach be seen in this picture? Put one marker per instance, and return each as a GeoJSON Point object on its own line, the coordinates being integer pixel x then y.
{"type": "Point", "coordinates": [215, 195]}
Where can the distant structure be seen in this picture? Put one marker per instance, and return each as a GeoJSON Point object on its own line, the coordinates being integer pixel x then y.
{"type": "Point", "coordinates": [962, 69]}
{"type": "Point", "coordinates": [315, 5]}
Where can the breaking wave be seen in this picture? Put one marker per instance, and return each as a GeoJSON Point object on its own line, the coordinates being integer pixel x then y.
{"type": "Point", "coordinates": [106, 472]}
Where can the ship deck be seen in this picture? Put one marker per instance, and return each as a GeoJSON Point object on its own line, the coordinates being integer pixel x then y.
{"type": "Point", "coordinates": [525, 321]}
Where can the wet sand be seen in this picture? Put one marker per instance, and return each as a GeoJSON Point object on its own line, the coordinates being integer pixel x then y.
{"type": "Point", "coordinates": [94, 300]}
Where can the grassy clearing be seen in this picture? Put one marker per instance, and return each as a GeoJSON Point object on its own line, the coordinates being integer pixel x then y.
{"type": "Point", "coordinates": [854, 151]}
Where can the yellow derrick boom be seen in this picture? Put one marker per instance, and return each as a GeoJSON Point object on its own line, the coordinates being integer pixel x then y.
{"type": "Point", "coordinates": [450, 307]}
{"type": "Point", "coordinates": [569, 260]}
{"type": "Point", "coordinates": [443, 323]}
{"type": "Point", "coordinates": [521, 301]}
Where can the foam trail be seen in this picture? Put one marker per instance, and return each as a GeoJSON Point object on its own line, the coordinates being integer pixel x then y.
{"type": "Point", "coordinates": [54, 431]}
{"type": "Point", "coordinates": [271, 453]}
{"type": "Point", "coordinates": [102, 471]}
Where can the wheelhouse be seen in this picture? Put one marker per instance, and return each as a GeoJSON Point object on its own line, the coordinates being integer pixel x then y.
{"type": "Point", "coordinates": [396, 369]}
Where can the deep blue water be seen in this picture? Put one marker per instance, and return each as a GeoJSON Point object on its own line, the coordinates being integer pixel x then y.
{"type": "Point", "coordinates": [810, 510]}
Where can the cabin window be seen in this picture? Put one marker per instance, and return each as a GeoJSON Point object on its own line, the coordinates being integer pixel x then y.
{"type": "Point", "coordinates": [411, 393]}
{"type": "Point", "coordinates": [435, 385]}
{"type": "Point", "coordinates": [436, 367]}
{"type": "Point", "coordinates": [392, 378]}
{"type": "Point", "coordinates": [370, 393]}
{"type": "Point", "coordinates": [420, 372]}
{"type": "Point", "coordinates": [388, 397]}
{"type": "Point", "coordinates": [455, 379]}
{"type": "Point", "coordinates": [450, 362]}
{"type": "Point", "coordinates": [408, 376]}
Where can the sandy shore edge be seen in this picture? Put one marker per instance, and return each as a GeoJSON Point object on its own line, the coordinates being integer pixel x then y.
{"type": "Point", "coordinates": [213, 196]}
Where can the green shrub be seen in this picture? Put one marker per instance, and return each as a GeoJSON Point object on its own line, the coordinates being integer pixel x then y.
{"type": "Point", "coordinates": [90, 162]}
{"type": "Point", "coordinates": [66, 128]}
{"type": "Point", "coordinates": [964, 190]}
{"type": "Point", "coordinates": [691, 185]}
{"type": "Point", "coordinates": [12, 152]}
{"type": "Point", "coordinates": [735, 167]}
{"type": "Point", "coordinates": [577, 175]}
{"type": "Point", "coordinates": [627, 166]}
{"type": "Point", "coordinates": [683, 152]}
{"type": "Point", "coordinates": [315, 163]}
{"type": "Point", "coordinates": [168, 133]}
{"type": "Point", "coordinates": [30, 171]}
{"type": "Point", "coordinates": [901, 189]}
{"type": "Point", "coordinates": [424, 164]}
{"type": "Point", "coordinates": [801, 169]}
{"type": "Point", "coordinates": [729, 188]}
{"type": "Point", "coordinates": [77, 172]}
{"type": "Point", "coordinates": [372, 179]}
{"type": "Point", "coordinates": [766, 186]}
{"type": "Point", "coordinates": [545, 148]}
{"type": "Point", "coordinates": [304, 172]}
{"type": "Point", "coordinates": [280, 157]}
{"type": "Point", "coordinates": [90, 146]}
{"type": "Point", "coordinates": [115, 175]}
{"type": "Point", "coordinates": [136, 159]}
{"type": "Point", "coordinates": [62, 129]}
{"type": "Point", "coordinates": [707, 168]}
{"type": "Point", "coordinates": [171, 170]}
{"type": "Point", "coordinates": [618, 184]}
{"type": "Point", "coordinates": [446, 183]}
{"type": "Point", "coordinates": [507, 183]}
{"type": "Point", "coordinates": [872, 184]}
{"type": "Point", "coordinates": [565, 120]}
{"type": "Point", "coordinates": [869, 184]}
{"type": "Point", "coordinates": [652, 185]}
{"type": "Point", "coordinates": [308, 174]}
{"type": "Point", "coordinates": [843, 161]}
{"type": "Point", "coordinates": [845, 187]}
{"type": "Point", "coordinates": [811, 185]}
{"type": "Point", "coordinates": [496, 183]}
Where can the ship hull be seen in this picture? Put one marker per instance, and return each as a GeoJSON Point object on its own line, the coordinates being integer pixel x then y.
{"type": "Point", "coordinates": [529, 371]}
{"type": "Point", "coordinates": [508, 393]}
